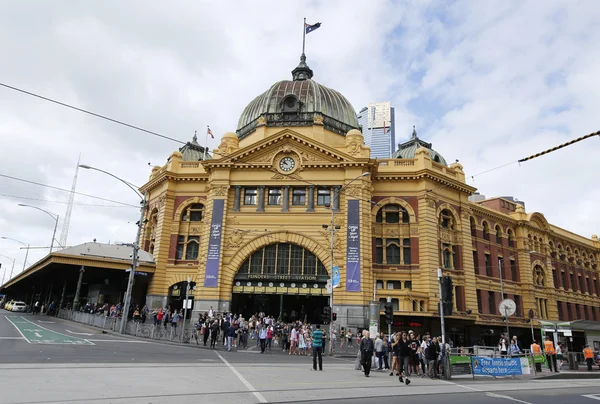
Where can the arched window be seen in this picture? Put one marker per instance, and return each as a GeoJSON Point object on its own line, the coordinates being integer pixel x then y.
{"type": "Point", "coordinates": [193, 213]}
{"type": "Point", "coordinates": [447, 219]}
{"type": "Point", "coordinates": [486, 231]}
{"type": "Point", "coordinates": [392, 251]}
{"type": "Point", "coordinates": [473, 227]}
{"type": "Point", "coordinates": [538, 276]}
{"type": "Point", "coordinates": [498, 234]}
{"type": "Point", "coordinates": [282, 259]}
{"type": "Point", "coordinates": [511, 238]}
{"type": "Point", "coordinates": [392, 213]}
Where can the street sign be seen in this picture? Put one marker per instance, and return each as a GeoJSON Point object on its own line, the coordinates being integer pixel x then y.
{"type": "Point", "coordinates": [328, 286]}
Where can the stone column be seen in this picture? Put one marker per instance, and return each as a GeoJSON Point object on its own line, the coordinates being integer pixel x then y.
{"type": "Point", "coordinates": [335, 201]}
{"type": "Point", "coordinates": [78, 290]}
{"type": "Point", "coordinates": [285, 207]}
{"type": "Point", "coordinates": [261, 199]}
{"type": "Point", "coordinates": [311, 199]}
{"type": "Point", "coordinates": [236, 198]}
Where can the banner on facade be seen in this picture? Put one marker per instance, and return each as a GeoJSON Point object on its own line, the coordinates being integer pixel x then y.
{"type": "Point", "coordinates": [353, 248]}
{"type": "Point", "coordinates": [483, 366]}
{"type": "Point", "coordinates": [213, 257]}
{"type": "Point", "coordinates": [336, 276]}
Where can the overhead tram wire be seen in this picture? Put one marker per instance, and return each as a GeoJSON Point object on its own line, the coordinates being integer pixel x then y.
{"type": "Point", "coordinates": [66, 190]}
{"type": "Point", "coordinates": [91, 113]}
{"type": "Point", "coordinates": [65, 202]}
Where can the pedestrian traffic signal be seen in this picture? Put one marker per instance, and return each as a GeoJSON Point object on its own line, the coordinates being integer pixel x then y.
{"type": "Point", "coordinates": [389, 312]}
{"type": "Point", "coordinates": [447, 295]}
{"type": "Point", "coordinates": [334, 316]}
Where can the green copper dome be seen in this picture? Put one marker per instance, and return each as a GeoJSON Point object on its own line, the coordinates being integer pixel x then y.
{"type": "Point", "coordinates": [408, 149]}
{"type": "Point", "coordinates": [299, 102]}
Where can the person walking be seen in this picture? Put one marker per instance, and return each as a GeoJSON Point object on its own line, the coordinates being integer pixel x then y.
{"type": "Point", "coordinates": [230, 335]}
{"type": "Point", "coordinates": [550, 354]}
{"type": "Point", "coordinates": [403, 359]}
{"type": "Point", "coordinates": [317, 345]}
{"type": "Point", "coordinates": [262, 336]}
{"type": "Point", "coordinates": [537, 351]}
{"type": "Point", "coordinates": [379, 351]}
{"type": "Point", "coordinates": [366, 348]}
{"type": "Point", "coordinates": [588, 354]}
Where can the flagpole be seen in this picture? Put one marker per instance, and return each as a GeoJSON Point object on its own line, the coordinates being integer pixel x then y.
{"type": "Point", "coordinates": [206, 143]}
{"type": "Point", "coordinates": [303, 35]}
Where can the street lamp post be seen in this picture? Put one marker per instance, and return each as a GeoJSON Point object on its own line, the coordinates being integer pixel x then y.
{"type": "Point", "coordinates": [55, 217]}
{"type": "Point", "coordinates": [331, 246]}
{"type": "Point", "coordinates": [136, 246]}
{"type": "Point", "coordinates": [13, 267]}
{"type": "Point", "coordinates": [23, 244]}
{"type": "Point", "coordinates": [500, 264]}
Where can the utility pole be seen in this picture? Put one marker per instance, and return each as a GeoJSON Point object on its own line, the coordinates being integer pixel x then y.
{"type": "Point", "coordinates": [441, 306]}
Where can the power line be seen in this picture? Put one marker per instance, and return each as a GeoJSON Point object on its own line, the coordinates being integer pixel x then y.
{"type": "Point", "coordinates": [74, 203]}
{"type": "Point", "coordinates": [91, 113]}
{"type": "Point", "coordinates": [65, 190]}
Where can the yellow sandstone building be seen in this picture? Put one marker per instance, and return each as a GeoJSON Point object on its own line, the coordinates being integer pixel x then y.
{"type": "Point", "coordinates": [250, 228]}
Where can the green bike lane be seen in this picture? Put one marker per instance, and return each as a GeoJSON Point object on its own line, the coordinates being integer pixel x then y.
{"type": "Point", "coordinates": [35, 333]}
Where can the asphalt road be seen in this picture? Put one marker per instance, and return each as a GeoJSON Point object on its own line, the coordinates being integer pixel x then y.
{"type": "Point", "coordinates": [45, 360]}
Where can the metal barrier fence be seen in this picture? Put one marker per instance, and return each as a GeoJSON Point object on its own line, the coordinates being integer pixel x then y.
{"type": "Point", "coordinates": [136, 328]}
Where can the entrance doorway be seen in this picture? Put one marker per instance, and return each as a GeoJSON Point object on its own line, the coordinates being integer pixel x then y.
{"type": "Point", "coordinates": [285, 307]}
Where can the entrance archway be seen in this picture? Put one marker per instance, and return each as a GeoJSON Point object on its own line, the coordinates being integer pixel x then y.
{"type": "Point", "coordinates": [284, 280]}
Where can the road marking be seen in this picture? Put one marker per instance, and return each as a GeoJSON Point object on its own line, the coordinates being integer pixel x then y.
{"type": "Point", "coordinates": [79, 333]}
{"type": "Point", "coordinates": [468, 387]}
{"type": "Point", "coordinates": [42, 321]}
{"type": "Point", "coordinates": [494, 395]}
{"type": "Point", "coordinates": [592, 396]}
{"type": "Point", "coordinates": [14, 325]}
{"type": "Point", "coordinates": [119, 340]}
{"type": "Point", "coordinates": [11, 337]}
{"type": "Point", "coordinates": [243, 380]}
{"type": "Point", "coordinates": [46, 336]}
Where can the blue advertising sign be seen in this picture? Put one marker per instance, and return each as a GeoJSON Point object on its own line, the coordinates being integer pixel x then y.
{"type": "Point", "coordinates": [353, 248]}
{"type": "Point", "coordinates": [496, 366]}
{"type": "Point", "coordinates": [213, 258]}
{"type": "Point", "coordinates": [336, 276]}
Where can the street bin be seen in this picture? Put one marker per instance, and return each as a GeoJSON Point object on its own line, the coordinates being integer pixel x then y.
{"type": "Point", "coordinates": [573, 364]}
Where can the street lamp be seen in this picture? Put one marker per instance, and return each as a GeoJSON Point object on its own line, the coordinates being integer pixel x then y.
{"type": "Point", "coordinates": [23, 244]}
{"type": "Point", "coordinates": [55, 217]}
{"type": "Point", "coordinates": [134, 256]}
{"type": "Point", "coordinates": [332, 229]}
{"type": "Point", "coordinates": [13, 267]}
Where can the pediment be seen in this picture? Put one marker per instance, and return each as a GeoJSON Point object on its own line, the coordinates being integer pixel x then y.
{"type": "Point", "coordinates": [265, 151]}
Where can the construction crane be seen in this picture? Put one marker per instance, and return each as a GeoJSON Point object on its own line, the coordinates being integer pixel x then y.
{"type": "Point", "coordinates": [64, 233]}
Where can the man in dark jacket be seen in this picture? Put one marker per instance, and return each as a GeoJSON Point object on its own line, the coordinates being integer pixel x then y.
{"type": "Point", "coordinates": [214, 331]}
{"type": "Point", "coordinates": [224, 327]}
{"type": "Point", "coordinates": [366, 350]}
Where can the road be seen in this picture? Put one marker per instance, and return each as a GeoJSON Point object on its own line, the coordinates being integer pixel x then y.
{"type": "Point", "coordinates": [70, 363]}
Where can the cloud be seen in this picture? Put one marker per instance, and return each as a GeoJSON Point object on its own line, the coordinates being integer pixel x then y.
{"type": "Point", "coordinates": [487, 85]}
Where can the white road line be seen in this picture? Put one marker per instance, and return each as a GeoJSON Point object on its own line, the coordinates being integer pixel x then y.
{"type": "Point", "coordinates": [494, 395]}
{"type": "Point", "coordinates": [592, 396]}
{"type": "Point", "coordinates": [243, 380]}
{"type": "Point", "coordinates": [11, 337]}
{"type": "Point", "coordinates": [18, 330]}
{"type": "Point", "coordinates": [119, 340]}
{"type": "Point", "coordinates": [47, 329]}
{"type": "Point", "coordinates": [468, 387]}
{"type": "Point", "coordinates": [79, 333]}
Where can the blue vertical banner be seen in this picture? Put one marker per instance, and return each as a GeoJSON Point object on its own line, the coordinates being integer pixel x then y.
{"type": "Point", "coordinates": [213, 257]}
{"type": "Point", "coordinates": [353, 247]}
{"type": "Point", "coordinates": [336, 276]}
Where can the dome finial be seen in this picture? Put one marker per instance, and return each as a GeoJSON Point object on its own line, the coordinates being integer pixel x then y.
{"type": "Point", "coordinates": [195, 138]}
{"type": "Point", "coordinates": [414, 132]}
{"type": "Point", "coordinates": [302, 71]}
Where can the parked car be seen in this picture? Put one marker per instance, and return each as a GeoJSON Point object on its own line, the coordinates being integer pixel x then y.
{"type": "Point", "coordinates": [8, 305]}
{"type": "Point", "coordinates": [18, 306]}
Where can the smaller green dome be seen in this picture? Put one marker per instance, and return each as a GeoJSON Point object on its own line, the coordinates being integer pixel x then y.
{"type": "Point", "coordinates": [407, 150]}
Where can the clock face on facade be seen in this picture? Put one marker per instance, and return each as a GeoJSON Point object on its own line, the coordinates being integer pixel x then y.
{"type": "Point", "coordinates": [287, 164]}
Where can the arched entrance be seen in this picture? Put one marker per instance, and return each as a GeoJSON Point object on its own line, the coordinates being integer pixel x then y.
{"type": "Point", "coordinates": [284, 280]}
{"type": "Point", "coordinates": [177, 294]}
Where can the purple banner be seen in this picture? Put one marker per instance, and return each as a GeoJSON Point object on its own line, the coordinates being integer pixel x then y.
{"type": "Point", "coordinates": [353, 248]}
{"type": "Point", "coordinates": [213, 258]}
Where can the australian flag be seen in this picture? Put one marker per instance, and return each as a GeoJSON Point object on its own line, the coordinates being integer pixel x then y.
{"type": "Point", "coordinates": [310, 28]}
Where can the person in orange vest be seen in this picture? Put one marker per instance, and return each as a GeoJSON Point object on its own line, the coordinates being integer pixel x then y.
{"type": "Point", "coordinates": [537, 350]}
{"type": "Point", "coordinates": [550, 353]}
{"type": "Point", "coordinates": [588, 354]}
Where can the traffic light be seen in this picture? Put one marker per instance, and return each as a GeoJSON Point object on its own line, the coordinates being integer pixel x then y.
{"type": "Point", "coordinates": [326, 314]}
{"type": "Point", "coordinates": [447, 294]}
{"type": "Point", "coordinates": [389, 312]}
{"type": "Point", "coordinates": [334, 316]}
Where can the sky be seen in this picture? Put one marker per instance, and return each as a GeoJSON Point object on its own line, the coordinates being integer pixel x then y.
{"type": "Point", "coordinates": [487, 82]}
